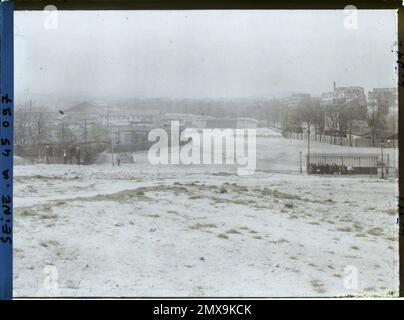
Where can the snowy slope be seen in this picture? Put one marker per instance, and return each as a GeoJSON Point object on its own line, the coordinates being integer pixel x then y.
{"type": "Point", "coordinates": [143, 230]}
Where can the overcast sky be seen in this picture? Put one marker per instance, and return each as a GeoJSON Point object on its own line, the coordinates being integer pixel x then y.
{"type": "Point", "coordinates": [202, 53]}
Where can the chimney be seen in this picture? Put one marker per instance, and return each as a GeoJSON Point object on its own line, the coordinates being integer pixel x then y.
{"type": "Point", "coordinates": [334, 85]}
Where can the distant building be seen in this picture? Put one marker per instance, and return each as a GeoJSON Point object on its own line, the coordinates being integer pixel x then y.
{"type": "Point", "coordinates": [335, 102]}
{"type": "Point", "coordinates": [231, 123]}
{"type": "Point", "coordinates": [86, 110]}
{"type": "Point", "coordinates": [201, 122]}
{"type": "Point", "coordinates": [343, 95]}
{"type": "Point", "coordinates": [296, 99]}
{"type": "Point", "coordinates": [383, 99]}
{"type": "Point", "coordinates": [184, 119]}
{"type": "Point", "coordinates": [94, 112]}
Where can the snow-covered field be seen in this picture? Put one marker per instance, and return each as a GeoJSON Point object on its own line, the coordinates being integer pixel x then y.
{"type": "Point", "coordinates": [143, 230]}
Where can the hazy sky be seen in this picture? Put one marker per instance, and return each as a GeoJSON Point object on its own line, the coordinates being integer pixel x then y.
{"type": "Point", "coordinates": [202, 53]}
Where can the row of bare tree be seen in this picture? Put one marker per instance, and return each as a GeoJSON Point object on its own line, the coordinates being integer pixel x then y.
{"type": "Point", "coordinates": [341, 118]}
{"type": "Point", "coordinates": [34, 130]}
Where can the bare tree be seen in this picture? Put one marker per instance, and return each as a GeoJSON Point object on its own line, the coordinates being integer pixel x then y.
{"type": "Point", "coordinates": [376, 122]}
{"type": "Point", "coordinates": [40, 122]}
{"type": "Point", "coordinates": [21, 127]}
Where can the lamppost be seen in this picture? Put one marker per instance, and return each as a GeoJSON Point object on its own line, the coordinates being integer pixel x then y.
{"type": "Point", "coordinates": [381, 151]}
{"type": "Point", "coordinates": [300, 153]}
{"type": "Point", "coordinates": [308, 148]}
{"type": "Point", "coordinates": [117, 142]}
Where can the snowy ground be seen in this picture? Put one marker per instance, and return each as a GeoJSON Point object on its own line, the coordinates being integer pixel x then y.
{"type": "Point", "coordinates": [142, 230]}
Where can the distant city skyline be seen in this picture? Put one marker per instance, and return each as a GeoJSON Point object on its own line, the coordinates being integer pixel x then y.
{"type": "Point", "coordinates": [202, 54]}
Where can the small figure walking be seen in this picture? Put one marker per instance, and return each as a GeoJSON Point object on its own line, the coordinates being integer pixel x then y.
{"type": "Point", "coordinates": [78, 154]}
{"type": "Point", "coordinates": [65, 156]}
{"type": "Point", "coordinates": [48, 154]}
{"type": "Point", "coordinates": [71, 155]}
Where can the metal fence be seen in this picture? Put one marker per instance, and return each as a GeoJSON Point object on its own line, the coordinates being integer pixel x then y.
{"type": "Point", "coordinates": [318, 138]}
{"type": "Point", "coordinates": [345, 163]}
